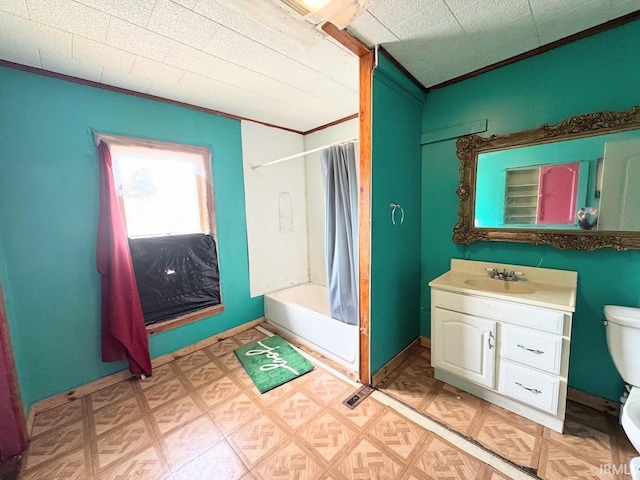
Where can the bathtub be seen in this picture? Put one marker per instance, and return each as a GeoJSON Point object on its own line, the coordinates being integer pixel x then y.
{"type": "Point", "coordinates": [303, 311]}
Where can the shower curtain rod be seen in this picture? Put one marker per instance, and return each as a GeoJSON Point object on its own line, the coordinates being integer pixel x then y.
{"type": "Point", "coordinates": [296, 155]}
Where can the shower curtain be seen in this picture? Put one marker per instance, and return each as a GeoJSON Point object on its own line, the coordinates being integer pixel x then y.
{"type": "Point", "coordinates": [341, 231]}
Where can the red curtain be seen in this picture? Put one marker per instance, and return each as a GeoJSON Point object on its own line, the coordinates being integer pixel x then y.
{"type": "Point", "coordinates": [123, 330]}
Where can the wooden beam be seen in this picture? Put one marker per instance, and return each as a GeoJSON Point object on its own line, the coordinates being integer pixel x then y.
{"type": "Point", "coordinates": [364, 213]}
{"type": "Point", "coordinates": [346, 39]}
{"type": "Point", "coordinates": [336, 122]}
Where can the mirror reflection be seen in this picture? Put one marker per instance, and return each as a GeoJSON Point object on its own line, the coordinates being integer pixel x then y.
{"type": "Point", "coordinates": [579, 184]}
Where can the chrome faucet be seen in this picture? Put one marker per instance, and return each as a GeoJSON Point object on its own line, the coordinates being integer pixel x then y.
{"type": "Point", "coordinates": [511, 276]}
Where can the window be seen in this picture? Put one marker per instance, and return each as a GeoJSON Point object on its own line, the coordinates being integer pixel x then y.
{"type": "Point", "coordinates": [163, 192]}
{"type": "Point", "coordinates": [165, 196]}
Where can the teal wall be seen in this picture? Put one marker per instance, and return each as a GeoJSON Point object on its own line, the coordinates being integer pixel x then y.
{"type": "Point", "coordinates": [395, 176]}
{"type": "Point", "coordinates": [48, 221]}
{"type": "Point", "coordinates": [597, 73]}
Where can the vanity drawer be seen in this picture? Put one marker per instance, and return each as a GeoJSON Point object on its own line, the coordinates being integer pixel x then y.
{"type": "Point", "coordinates": [524, 315]}
{"type": "Point", "coordinates": [533, 388]}
{"type": "Point", "coordinates": [532, 348]}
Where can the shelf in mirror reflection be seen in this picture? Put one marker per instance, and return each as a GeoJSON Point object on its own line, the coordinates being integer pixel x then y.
{"type": "Point", "coordinates": [543, 186]}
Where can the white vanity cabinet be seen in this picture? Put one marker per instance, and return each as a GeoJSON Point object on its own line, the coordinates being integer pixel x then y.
{"type": "Point", "coordinates": [466, 346]}
{"type": "Point", "coordinates": [502, 349]}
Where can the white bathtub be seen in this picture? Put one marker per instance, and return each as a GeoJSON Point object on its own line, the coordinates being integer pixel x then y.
{"type": "Point", "coordinates": [303, 311]}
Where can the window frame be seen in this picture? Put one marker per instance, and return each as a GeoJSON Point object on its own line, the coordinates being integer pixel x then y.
{"type": "Point", "coordinates": [204, 189]}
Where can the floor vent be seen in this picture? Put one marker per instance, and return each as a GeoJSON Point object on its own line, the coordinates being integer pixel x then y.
{"type": "Point", "coordinates": [354, 400]}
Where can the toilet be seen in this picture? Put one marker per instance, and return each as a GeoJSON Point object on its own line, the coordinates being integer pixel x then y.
{"type": "Point", "coordinates": [623, 340]}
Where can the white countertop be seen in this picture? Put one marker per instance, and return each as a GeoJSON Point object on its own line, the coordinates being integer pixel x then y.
{"type": "Point", "coordinates": [554, 289]}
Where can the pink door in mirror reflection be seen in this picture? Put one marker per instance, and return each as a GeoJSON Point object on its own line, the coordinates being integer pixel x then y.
{"type": "Point", "coordinates": [12, 427]}
{"type": "Point", "coordinates": [557, 194]}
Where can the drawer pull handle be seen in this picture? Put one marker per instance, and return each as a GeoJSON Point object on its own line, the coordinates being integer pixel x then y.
{"type": "Point", "coordinates": [532, 350]}
{"type": "Point", "coordinates": [532, 390]}
{"type": "Point", "coordinates": [491, 345]}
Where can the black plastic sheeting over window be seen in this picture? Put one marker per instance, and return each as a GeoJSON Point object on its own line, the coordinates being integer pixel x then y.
{"type": "Point", "coordinates": [175, 274]}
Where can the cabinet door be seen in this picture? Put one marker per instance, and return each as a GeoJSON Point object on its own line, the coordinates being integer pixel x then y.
{"type": "Point", "coordinates": [465, 346]}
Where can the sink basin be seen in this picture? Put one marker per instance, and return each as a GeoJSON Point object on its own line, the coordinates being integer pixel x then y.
{"type": "Point", "coordinates": [500, 286]}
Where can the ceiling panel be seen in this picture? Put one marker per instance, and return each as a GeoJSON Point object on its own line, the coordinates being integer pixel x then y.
{"type": "Point", "coordinates": [70, 66]}
{"type": "Point", "coordinates": [70, 16]}
{"type": "Point", "coordinates": [181, 24]}
{"type": "Point", "coordinates": [132, 38]}
{"type": "Point", "coordinates": [100, 54]}
{"type": "Point", "coordinates": [438, 40]}
{"type": "Point", "coordinates": [226, 55]}
{"type": "Point", "coordinates": [16, 7]}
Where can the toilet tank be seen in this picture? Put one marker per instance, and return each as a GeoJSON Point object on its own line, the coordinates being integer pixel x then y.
{"type": "Point", "coordinates": [623, 340]}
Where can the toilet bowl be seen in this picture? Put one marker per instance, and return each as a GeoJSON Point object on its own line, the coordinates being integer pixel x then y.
{"type": "Point", "coordinates": [630, 418]}
{"type": "Point", "coordinates": [623, 340]}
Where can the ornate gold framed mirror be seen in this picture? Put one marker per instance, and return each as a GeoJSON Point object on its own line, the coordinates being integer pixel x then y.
{"type": "Point", "coordinates": [574, 185]}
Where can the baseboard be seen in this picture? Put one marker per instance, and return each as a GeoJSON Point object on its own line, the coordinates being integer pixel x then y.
{"type": "Point", "coordinates": [89, 388]}
{"type": "Point", "coordinates": [593, 401]}
{"type": "Point", "coordinates": [425, 342]}
{"type": "Point", "coordinates": [395, 362]}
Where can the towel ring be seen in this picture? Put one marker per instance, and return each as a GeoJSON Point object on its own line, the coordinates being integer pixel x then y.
{"type": "Point", "coordinates": [394, 207]}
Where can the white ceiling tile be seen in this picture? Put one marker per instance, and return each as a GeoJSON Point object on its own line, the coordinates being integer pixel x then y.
{"type": "Point", "coordinates": [493, 15]}
{"type": "Point", "coordinates": [389, 13]}
{"type": "Point", "coordinates": [156, 71]}
{"type": "Point", "coordinates": [70, 16]}
{"type": "Point", "coordinates": [172, 92]}
{"type": "Point", "coordinates": [15, 7]}
{"type": "Point", "coordinates": [572, 22]}
{"type": "Point", "coordinates": [456, 5]}
{"type": "Point", "coordinates": [232, 46]}
{"type": "Point", "coordinates": [427, 76]}
{"type": "Point", "coordinates": [345, 72]}
{"type": "Point", "coordinates": [437, 21]}
{"type": "Point", "coordinates": [137, 12]}
{"type": "Point", "coordinates": [192, 60]}
{"type": "Point", "coordinates": [124, 80]}
{"type": "Point", "coordinates": [186, 3]}
{"type": "Point", "coordinates": [403, 52]}
{"type": "Point", "coordinates": [336, 93]}
{"type": "Point", "coordinates": [196, 82]}
{"type": "Point", "coordinates": [226, 15]}
{"type": "Point", "coordinates": [100, 54]}
{"type": "Point", "coordinates": [134, 39]}
{"type": "Point", "coordinates": [360, 20]}
{"type": "Point", "coordinates": [17, 53]}
{"type": "Point", "coordinates": [622, 7]}
{"type": "Point", "coordinates": [268, 13]}
{"type": "Point", "coordinates": [508, 50]}
{"type": "Point", "coordinates": [181, 24]}
{"type": "Point", "coordinates": [23, 32]}
{"type": "Point", "coordinates": [374, 33]}
{"type": "Point", "coordinates": [238, 49]}
{"type": "Point", "coordinates": [70, 66]}
{"type": "Point", "coordinates": [545, 10]}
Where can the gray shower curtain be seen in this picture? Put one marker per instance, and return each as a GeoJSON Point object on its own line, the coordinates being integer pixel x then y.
{"type": "Point", "coordinates": [341, 232]}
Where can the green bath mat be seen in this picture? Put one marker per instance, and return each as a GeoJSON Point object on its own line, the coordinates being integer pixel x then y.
{"type": "Point", "coordinates": [272, 362]}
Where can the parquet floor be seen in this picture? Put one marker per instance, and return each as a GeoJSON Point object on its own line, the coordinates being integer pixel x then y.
{"type": "Point", "coordinates": [200, 417]}
{"type": "Point", "coordinates": [593, 445]}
